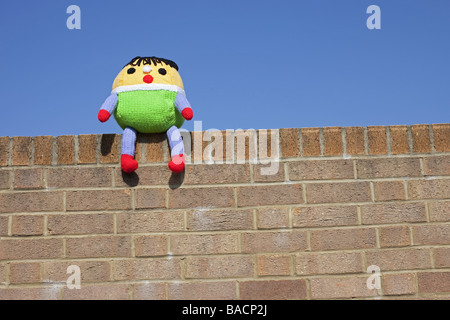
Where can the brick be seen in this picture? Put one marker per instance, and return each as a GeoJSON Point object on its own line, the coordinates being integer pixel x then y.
{"type": "Point", "coordinates": [310, 141]}
{"type": "Point", "coordinates": [21, 151]}
{"type": "Point", "coordinates": [431, 234]}
{"type": "Point", "coordinates": [29, 225]}
{"type": "Point", "coordinates": [214, 267]}
{"type": "Point", "coordinates": [220, 290]}
{"type": "Point", "coordinates": [441, 137]}
{"type": "Point", "coordinates": [290, 142]}
{"type": "Point", "coordinates": [281, 241]}
{"type": "Point", "coordinates": [149, 291]}
{"type": "Point", "coordinates": [110, 148]}
{"type": "Point", "coordinates": [377, 142]}
{"type": "Point", "coordinates": [217, 173]}
{"type": "Point", "coordinates": [332, 141]}
{"type": "Point", "coordinates": [270, 218]}
{"type": "Point", "coordinates": [345, 287]}
{"type": "Point", "coordinates": [152, 221]}
{"type": "Point", "coordinates": [87, 148]}
{"type": "Point", "coordinates": [20, 249]}
{"type": "Point", "coordinates": [269, 195]}
{"type": "Point", "coordinates": [227, 151]}
{"type": "Point", "coordinates": [354, 137]}
{"type": "Point", "coordinates": [97, 292]}
{"type": "Point", "coordinates": [429, 189]}
{"type": "Point", "coordinates": [4, 225]}
{"type": "Point", "coordinates": [4, 151]}
{"type": "Point", "coordinates": [439, 211]}
{"type": "Point", "coordinates": [388, 168]}
{"type": "Point", "coordinates": [155, 147]}
{"type": "Point", "coordinates": [341, 239]}
{"type": "Point", "coordinates": [324, 216]}
{"type": "Point", "coordinates": [398, 284]}
{"type": "Point", "coordinates": [389, 190]}
{"type": "Point", "coordinates": [204, 243]}
{"type": "Point", "coordinates": [99, 223]}
{"type": "Point", "coordinates": [98, 200]}
{"type": "Point", "coordinates": [393, 213]}
{"type": "Point", "coordinates": [399, 259]}
{"type": "Point", "coordinates": [205, 219]}
{"type": "Point", "coordinates": [90, 271]}
{"type": "Point", "coordinates": [328, 263]}
{"type": "Point", "coordinates": [201, 197]}
{"type": "Point", "coordinates": [399, 139]}
{"type": "Point", "coordinates": [28, 179]}
{"type": "Point", "coordinates": [441, 257]}
{"type": "Point", "coordinates": [268, 144]}
{"type": "Point", "coordinates": [218, 142]}
{"type": "Point", "coordinates": [31, 202]}
{"type": "Point", "coordinates": [79, 177]}
{"type": "Point", "coordinates": [199, 142]}
{"type": "Point", "coordinates": [24, 293]}
{"type": "Point", "coordinates": [336, 192]}
{"type": "Point", "coordinates": [320, 169]}
{"type": "Point", "coordinates": [147, 246]}
{"type": "Point", "coordinates": [5, 179]}
{"type": "Point", "coordinates": [273, 265]}
{"type": "Point", "coordinates": [98, 247]}
{"type": "Point", "coordinates": [24, 272]}
{"type": "Point", "coordinates": [43, 150]}
{"type": "Point", "coordinates": [65, 146]}
{"type": "Point", "coordinates": [437, 166]}
{"type": "Point", "coordinates": [398, 236]}
{"type": "Point", "coordinates": [433, 282]}
{"type": "Point", "coordinates": [271, 172]}
{"type": "Point", "coordinates": [246, 144]}
{"type": "Point", "coordinates": [273, 289]}
{"type": "Point", "coordinates": [147, 269]}
{"type": "Point", "coordinates": [150, 198]}
{"type": "Point", "coordinates": [148, 176]}
{"type": "Point", "coordinates": [421, 138]}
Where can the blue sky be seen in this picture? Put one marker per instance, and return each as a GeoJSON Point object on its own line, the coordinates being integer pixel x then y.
{"type": "Point", "coordinates": [245, 64]}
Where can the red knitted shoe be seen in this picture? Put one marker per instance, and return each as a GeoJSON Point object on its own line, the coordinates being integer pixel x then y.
{"type": "Point", "coordinates": [128, 163]}
{"type": "Point", "coordinates": [177, 163]}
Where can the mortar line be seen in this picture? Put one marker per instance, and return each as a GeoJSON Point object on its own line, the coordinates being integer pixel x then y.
{"type": "Point", "coordinates": [433, 148]}
{"type": "Point", "coordinates": [32, 152]}
{"type": "Point", "coordinates": [321, 142]}
{"type": "Point", "coordinates": [10, 151]}
{"type": "Point", "coordinates": [388, 140]}
{"type": "Point", "coordinates": [76, 149]}
{"type": "Point", "coordinates": [344, 142]}
{"type": "Point", "coordinates": [410, 140]}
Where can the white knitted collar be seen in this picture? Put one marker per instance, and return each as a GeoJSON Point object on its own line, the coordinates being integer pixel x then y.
{"type": "Point", "coordinates": [148, 86]}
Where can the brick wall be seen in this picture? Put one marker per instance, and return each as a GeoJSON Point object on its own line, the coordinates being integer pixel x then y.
{"type": "Point", "coordinates": [342, 199]}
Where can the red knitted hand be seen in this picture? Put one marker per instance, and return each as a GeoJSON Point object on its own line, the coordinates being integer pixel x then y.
{"type": "Point", "coordinates": [103, 115]}
{"type": "Point", "coordinates": [187, 113]}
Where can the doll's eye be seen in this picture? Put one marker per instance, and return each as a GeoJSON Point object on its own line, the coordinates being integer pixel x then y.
{"type": "Point", "coordinates": [162, 71]}
{"type": "Point", "coordinates": [131, 70]}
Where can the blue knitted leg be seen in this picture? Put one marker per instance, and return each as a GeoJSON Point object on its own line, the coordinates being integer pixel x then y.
{"type": "Point", "coordinates": [175, 141]}
{"type": "Point", "coordinates": [129, 141]}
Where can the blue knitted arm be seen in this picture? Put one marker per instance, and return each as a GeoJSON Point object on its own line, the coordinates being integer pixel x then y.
{"type": "Point", "coordinates": [110, 103]}
{"type": "Point", "coordinates": [181, 102]}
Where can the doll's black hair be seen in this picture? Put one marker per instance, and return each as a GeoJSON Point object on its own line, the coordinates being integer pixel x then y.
{"type": "Point", "coordinates": [136, 61]}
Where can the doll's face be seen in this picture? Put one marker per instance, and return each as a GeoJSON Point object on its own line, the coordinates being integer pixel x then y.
{"type": "Point", "coordinates": [160, 73]}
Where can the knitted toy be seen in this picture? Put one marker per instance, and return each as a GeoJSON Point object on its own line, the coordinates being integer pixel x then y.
{"type": "Point", "coordinates": [148, 97]}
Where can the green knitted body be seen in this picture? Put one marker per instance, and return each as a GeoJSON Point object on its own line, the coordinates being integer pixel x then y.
{"type": "Point", "coordinates": [148, 111]}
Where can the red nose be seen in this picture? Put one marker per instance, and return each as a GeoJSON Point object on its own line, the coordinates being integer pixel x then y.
{"type": "Point", "coordinates": [148, 79]}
